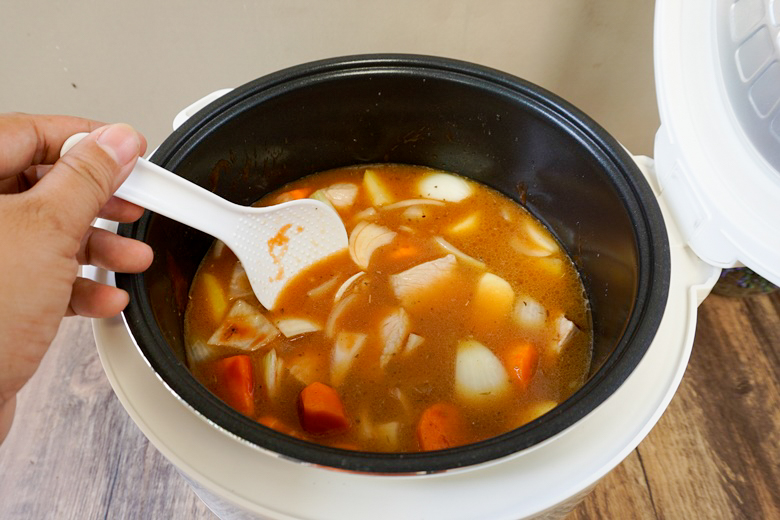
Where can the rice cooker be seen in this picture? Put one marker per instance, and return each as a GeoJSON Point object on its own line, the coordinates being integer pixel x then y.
{"type": "Point", "coordinates": [716, 177]}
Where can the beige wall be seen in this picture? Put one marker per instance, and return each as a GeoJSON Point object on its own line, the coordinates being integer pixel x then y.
{"type": "Point", "coordinates": [140, 61]}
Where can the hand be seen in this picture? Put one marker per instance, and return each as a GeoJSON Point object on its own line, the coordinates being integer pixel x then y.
{"type": "Point", "coordinates": [47, 206]}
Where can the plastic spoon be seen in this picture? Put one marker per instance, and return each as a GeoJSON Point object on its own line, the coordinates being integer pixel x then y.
{"type": "Point", "coordinates": [273, 243]}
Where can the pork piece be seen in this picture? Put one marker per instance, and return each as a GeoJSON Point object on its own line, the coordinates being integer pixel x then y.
{"type": "Point", "coordinates": [564, 331]}
{"type": "Point", "coordinates": [342, 195]}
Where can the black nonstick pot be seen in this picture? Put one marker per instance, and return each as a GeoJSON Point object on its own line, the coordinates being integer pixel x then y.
{"type": "Point", "coordinates": [455, 116]}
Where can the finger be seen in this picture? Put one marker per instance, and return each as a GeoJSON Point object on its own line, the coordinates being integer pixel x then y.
{"type": "Point", "coordinates": [96, 300]}
{"type": "Point", "coordinates": [84, 179]}
{"type": "Point", "coordinates": [120, 210]}
{"type": "Point", "coordinates": [110, 251]}
{"type": "Point", "coordinates": [32, 140]}
{"type": "Point", "coordinates": [115, 209]}
{"type": "Point", "coordinates": [15, 184]}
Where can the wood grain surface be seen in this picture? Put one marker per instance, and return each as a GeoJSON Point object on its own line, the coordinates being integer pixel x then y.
{"type": "Point", "coordinates": [73, 453]}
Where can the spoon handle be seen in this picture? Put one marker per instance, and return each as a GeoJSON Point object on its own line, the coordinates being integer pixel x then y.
{"type": "Point", "coordinates": [167, 194]}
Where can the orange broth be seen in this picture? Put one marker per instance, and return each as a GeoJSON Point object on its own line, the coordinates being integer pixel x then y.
{"type": "Point", "coordinates": [456, 335]}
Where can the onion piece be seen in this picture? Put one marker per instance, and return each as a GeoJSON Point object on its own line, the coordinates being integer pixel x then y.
{"type": "Point", "coordinates": [376, 189]}
{"type": "Point", "coordinates": [412, 342]}
{"type": "Point", "coordinates": [470, 260]}
{"type": "Point", "coordinates": [347, 347]}
{"type": "Point", "coordinates": [540, 237]}
{"type": "Point", "coordinates": [296, 326]}
{"type": "Point", "coordinates": [366, 430]}
{"type": "Point", "coordinates": [479, 374]}
{"type": "Point", "coordinates": [393, 331]}
{"type": "Point", "coordinates": [564, 330]}
{"type": "Point", "coordinates": [335, 314]}
{"type": "Point", "coordinates": [535, 241]}
{"type": "Point", "coordinates": [198, 351]}
{"type": "Point", "coordinates": [366, 214]}
{"type": "Point", "coordinates": [408, 284]}
{"type": "Point", "coordinates": [239, 283]}
{"type": "Point", "coordinates": [386, 435]}
{"type": "Point", "coordinates": [341, 195]}
{"type": "Point", "coordinates": [412, 202]}
{"type": "Point", "coordinates": [466, 225]}
{"type": "Point", "coordinates": [244, 327]}
{"type": "Point", "coordinates": [366, 238]}
{"type": "Point", "coordinates": [323, 288]}
{"type": "Point", "coordinates": [218, 247]}
{"type": "Point", "coordinates": [524, 247]}
{"type": "Point", "coordinates": [505, 214]}
{"type": "Point", "coordinates": [346, 285]}
{"type": "Point", "coordinates": [405, 403]}
{"type": "Point", "coordinates": [529, 313]}
{"type": "Point", "coordinates": [272, 371]}
{"type": "Point", "coordinates": [444, 186]}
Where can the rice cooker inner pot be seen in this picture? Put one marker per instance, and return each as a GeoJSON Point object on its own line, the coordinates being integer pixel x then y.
{"type": "Point", "coordinates": [492, 127]}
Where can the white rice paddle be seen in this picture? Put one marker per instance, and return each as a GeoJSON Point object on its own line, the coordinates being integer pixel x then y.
{"type": "Point", "coordinates": [273, 244]}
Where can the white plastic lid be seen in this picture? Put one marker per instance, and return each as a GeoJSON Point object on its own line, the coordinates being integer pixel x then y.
{"type": "Point", "coordinates": [717, 66]}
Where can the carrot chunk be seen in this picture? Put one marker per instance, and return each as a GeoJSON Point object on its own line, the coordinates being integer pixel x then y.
{"type": "Point", "coordinates": [235, 383]}
{"type": "Point", "coordinates": [521, 361]}
{"type": "Point", "coordinates": [441, 426]}
{"type": "Point", "coordinates": [404, 250]}
{"type": "Point", "coordinates": [276, 424]}
{"type": "Point", "coordinates": [287, 196]}
{"type": "Point", "coordinates": [320, 409]}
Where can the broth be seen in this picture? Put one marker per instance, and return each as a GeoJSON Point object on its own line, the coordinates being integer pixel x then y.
{"type": "Point", "coordinates": [454, 317]}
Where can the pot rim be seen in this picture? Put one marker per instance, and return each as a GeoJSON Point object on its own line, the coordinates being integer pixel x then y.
{"type": "Point", "coordinates": [650, 300]}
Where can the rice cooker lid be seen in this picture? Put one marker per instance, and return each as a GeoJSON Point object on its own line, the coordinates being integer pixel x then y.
{"type": "Point", "coordinates": [717, 152]}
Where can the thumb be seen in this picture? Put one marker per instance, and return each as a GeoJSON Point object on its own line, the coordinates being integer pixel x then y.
{"type": "Point", "coordinates": [83, 180]}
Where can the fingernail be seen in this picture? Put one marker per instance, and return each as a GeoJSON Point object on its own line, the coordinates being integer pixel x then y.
{"type": "Point", "coordinates": [121, 142]}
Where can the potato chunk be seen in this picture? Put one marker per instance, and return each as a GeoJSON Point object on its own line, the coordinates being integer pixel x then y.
{"type": "Point", "coordinates": [564, 332]}
{"type": "Point", "coordinates": [376, 189]}
{"type": "Point", "coordinates": [493, 298]}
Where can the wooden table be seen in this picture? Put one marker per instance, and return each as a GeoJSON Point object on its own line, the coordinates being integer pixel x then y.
{"type": "Point", "coordinates": [73, 452]}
